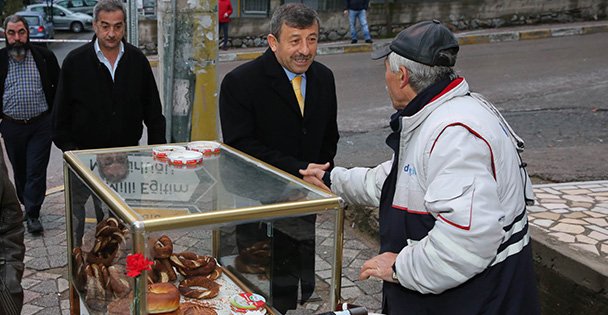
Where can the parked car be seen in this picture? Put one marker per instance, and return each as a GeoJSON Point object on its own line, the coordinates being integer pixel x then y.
{"type": "Point", "coordinates": [82, 6]}
{"type": "Point", "coordinates": [40, 26]}
{"type": "Point", "coordinates": [64, 19]}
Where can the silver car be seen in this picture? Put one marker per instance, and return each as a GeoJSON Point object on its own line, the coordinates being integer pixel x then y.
{"type": "Point", "coordinates": [64, 19]}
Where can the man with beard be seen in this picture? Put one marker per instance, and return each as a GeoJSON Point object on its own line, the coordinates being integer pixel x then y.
{"type": "Point", "coordinates": [29, 77]}
{"type": "Point", "coordinates": [281, 108]}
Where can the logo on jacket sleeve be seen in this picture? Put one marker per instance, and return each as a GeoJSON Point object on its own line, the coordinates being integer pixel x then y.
{"type": "Point", "coordinates": [410, 170]}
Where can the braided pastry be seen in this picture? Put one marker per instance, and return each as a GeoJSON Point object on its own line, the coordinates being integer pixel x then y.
{"type": "Point", "coordinates": [194, 307]}
{"type": "Point", "coordinates": [118, 282]}
{"type": "Point", "coordinates": [190, 264]}
{"type": "Point", "coordinates": [211, 288]}
{"type": "Point", "coordinates": [163, 271]}
{"type": "Point", "coordinates": [163, 247]}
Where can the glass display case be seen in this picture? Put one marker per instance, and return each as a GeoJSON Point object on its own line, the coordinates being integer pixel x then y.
{"type": "Point", "coordinates": [230, 234]}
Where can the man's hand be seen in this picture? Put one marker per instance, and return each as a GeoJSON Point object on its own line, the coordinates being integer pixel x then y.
{"type": "Point", "coordinates": [314, 174]}
{"type": "Point", "coordinates": [380, 267]}
{"type": "Point", "coordinates": [345, 12]}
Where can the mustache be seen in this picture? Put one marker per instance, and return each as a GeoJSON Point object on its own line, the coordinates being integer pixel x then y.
{"type": "Point", "coordinates": [301, 57]}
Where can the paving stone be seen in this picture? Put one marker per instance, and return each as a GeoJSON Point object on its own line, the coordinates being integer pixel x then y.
{"type": "Point", "coordinates": [355, 244]}
{"type": "Point", "coordinates": [552, 191]}
{"type": "Point", "coordinates": [563, 237]}
{"type": "Point", "coordinates": [29, 309]}
{"type": "Point", "coordinates": [324, 232]}
{"type": "Point", "coordinates": [37, 252]}
{"type": "Point", "coordinates": [586, 239]}
{"type": "Point", "coordinates": [29, 295]}
{"type": "Point", "coordinates": [575, 215]}
{"type": "Point", "coordinates": [560, 211]}
{"type": "Point", "coordinates": [547, 196]}
{"type": "Point", "coordinates": [547, 215]}
{"type": "Point", "coordinates": [27, 283]}
{"type": "Point", "coordinates": [573, 221]}
{"type": "Point", "coordinates": [563, 188]}
{"type": "Point", "coordinates": [598, 236]}
{"type": "Point", "coordinates": [600, 210]}
{"type": "Point", "coordinates": [352, 292]}
{"type": "Point", "coordinates": [46, 286]}
{"type": "Point", "coordinates": [597, 221]}
{"type": "Point", "coordinates": [543, 222]}
{"type": "Point", "coordinates": [47, 300]}
{"type": "Point", "coordinates": [575, 192]}
{"type": "Point", "coordinates": [369, 287]}
{"type": "Point", "coordinates": [347, 283]}
{"type": "Point", "coordinates": [604, 248]}
{"type": "Point", "coordinates": [552, 206]}
{"type": "Point", "coordinates": [595, 214]}
{"type": "Point", "coordinates": [590, 186]}
{"type": "Point", "coordinates": [350, 252]}
{"type": "Point", "coordinates": [536, 209]}
{"type": "Point", "coordinates": [581, 204]}
{"type": "Point", "coordinates": [62, 285]}
{"type": "Point", "coordinates": [38, 264]}
{"type": "Point", "coordinates": [324, 274]}
{"type": "Point", "coordinates": [46, 276]}
{"type": "Point", "coordinates": [568, 228]}
{"type": "Point", "coordinates": [605, 189]}
{"type": "Point", "coordinates": [597, 228]}
{"type": "Point", "coordinates": [578, 198]}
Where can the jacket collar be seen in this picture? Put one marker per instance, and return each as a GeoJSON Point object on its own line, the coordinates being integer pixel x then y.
{"type": "Point", "coordinates": [458, 87]}
{"type": "Point", "coordinates": [279, 82]}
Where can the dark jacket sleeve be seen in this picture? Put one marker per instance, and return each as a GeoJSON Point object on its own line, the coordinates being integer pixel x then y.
{"type": "Point", "coordinates": [12, 248]}
{"type": "Point", "coordinates": [239, 127]}
{"type": "Point", "coordinates": [62, 113]}
{"type": "Point", "coordinates": [153, 109]}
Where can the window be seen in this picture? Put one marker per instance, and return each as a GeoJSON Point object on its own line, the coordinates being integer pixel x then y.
{"type": "Point", "coordinates": [255, 6]}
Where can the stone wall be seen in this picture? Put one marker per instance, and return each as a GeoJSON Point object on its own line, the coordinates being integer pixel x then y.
{"type": "Point", "coordinates": [458, 15]}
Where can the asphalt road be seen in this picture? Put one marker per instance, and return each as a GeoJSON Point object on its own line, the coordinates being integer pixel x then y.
{"type": "Point", "coordinates": [552, 91]}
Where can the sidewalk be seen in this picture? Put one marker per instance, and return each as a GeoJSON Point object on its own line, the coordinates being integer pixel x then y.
{"type": "Point", "coordinates": [569, 223]}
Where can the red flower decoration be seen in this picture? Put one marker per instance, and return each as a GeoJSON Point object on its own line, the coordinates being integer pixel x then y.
{"type": "Point", "coordinates": [136, 263]}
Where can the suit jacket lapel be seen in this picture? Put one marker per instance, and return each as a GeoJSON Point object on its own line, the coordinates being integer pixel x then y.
{"type": "Point", "coordinates": [279, 81]}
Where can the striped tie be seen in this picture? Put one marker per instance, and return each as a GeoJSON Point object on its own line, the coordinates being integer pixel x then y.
{"type": "Point", "coordinates": [296, 83]}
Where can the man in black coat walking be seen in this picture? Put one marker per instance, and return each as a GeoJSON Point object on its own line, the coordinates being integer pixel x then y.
{"type": "Point", "coordinates": [29, 76]}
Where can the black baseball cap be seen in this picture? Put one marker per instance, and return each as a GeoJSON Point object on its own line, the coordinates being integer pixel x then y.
{"type": "Point", "coordinates": [427, 42]}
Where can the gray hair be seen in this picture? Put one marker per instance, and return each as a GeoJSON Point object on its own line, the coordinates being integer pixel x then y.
{"type": "Point", "coordinates": [16, 19]}
{"type": "Point", "coordinates": [295, 15]}
{"type": "Point", "coordinates": [421, 76]}
{"type": "Point", "coordinates": [109, 6]}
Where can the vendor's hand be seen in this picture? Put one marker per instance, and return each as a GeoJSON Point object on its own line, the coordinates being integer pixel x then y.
{"type": "Point", "coordinates": [314, 174]}
{"type": "Point", "coordinates": [380, 267]}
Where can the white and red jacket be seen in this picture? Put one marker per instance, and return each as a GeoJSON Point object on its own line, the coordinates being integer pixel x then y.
{"type": "Point", "coordinates": [457, 210]}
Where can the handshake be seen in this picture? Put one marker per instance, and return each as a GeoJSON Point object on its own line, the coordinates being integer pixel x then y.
{"type": "Point", "coordinates": [314, 174]}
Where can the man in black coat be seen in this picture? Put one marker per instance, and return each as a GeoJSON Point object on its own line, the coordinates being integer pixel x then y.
{"type": "Point", "coordinates": [281, 108]}
{"type": "Point", "coordinates": [106, 93]}
{"type": "Point", "coordinates": [28, 77]}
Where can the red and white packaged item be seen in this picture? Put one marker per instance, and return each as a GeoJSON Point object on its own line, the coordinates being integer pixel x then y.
{"type": "Point", "coordinates": [185, 157]}
{"type": "Point", "coordinates": [247, 303]}
{"type": "Point", "coordinates": [207, 148]}
{"type": "Point", "coordinates": [161, 151]}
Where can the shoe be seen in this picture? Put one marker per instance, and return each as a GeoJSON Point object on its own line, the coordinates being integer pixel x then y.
{"type": "Point", "coordinates": [369, 41]}
{"type": "Point", "coordinates": [34, 225]}
{"type": "Point", "coordinates": [354, 41]}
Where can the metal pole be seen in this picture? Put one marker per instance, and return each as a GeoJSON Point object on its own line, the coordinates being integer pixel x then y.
{"type": "Point", "coordinates": [188, 55]}
{"type": "Point", "coordinates": [132, 21]}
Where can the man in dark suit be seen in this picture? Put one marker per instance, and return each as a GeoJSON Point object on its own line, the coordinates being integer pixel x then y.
{"type": "Point", "coordinates": [28, 81]}
{"type": "Point", "coordinates": [281, 108]}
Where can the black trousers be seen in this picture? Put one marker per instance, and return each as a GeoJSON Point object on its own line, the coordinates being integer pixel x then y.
{"type": "Point", "coordinates": [28, 148]}
{"type": "Point", "coordinates": [293, 257]}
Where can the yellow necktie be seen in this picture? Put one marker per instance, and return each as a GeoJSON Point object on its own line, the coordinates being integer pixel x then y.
{"type": "Point", "coordinates": [296, 83]}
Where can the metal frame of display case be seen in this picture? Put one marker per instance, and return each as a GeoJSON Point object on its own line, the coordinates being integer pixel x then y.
{"type": "Point", "coordinates": [138, 228]}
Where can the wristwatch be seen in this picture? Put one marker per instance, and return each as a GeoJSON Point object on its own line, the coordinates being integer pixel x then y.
{"type": "Point", "coordinates": [395, 273]}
